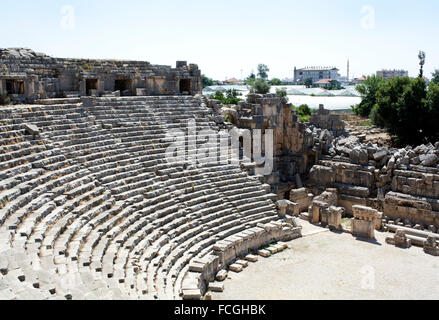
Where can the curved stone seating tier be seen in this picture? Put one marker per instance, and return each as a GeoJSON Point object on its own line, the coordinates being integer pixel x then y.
{"type": "Point", "coordinates": [91, 209]}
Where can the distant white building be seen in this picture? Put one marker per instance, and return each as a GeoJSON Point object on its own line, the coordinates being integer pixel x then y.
{"type": "Point", "coordinates": [288, 80]}
{"type": "Point", "coordinates": [387, 74]}
{"type": "Point", "coordinates": [315, 73]}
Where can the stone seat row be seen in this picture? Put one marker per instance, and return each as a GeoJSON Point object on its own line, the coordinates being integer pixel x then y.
{"type": "Point", "coordinates": [40, 183]}
{"type": "Point", "coordinates": [118, 220]}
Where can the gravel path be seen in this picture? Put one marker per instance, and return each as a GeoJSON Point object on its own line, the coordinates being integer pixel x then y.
{"type": "Point", "coordinates": [324, 265]}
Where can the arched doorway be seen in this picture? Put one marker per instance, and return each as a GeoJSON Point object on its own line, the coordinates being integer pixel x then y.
{"type": "Point", "coordinates": [124, 86]}
{"type": "Point", "coordinates": [185, 86]}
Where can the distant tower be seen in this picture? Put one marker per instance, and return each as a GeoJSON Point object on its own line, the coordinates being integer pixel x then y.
{"type": "Point", "coordinates": [421, 63]}
{"type": "Point", "coordinates": [348, 69]}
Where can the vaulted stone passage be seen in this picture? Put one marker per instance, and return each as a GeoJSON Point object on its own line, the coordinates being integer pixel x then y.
{"type": "Point", "coordinates": [186, 86]}
{"type": "Point", "coordinates": [14, 87]}
{"type": "Point", "coordinates": [124, 86]}
{"type": "Point", "coordinates": [44, 77]}
{"type": "Point", "coordinates": [91, 85]}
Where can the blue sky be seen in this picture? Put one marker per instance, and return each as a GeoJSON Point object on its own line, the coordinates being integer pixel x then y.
{"type": "Point", "coordinates": [229, 38]}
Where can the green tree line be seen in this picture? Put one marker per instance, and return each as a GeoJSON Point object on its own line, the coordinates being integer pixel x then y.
{"type": "Point", "coordinates": [407, 108]}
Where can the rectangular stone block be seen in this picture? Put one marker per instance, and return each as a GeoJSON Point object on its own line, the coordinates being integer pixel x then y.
{"type": "Point", "coordinates": [216, 287]}
{"type": "Point", "coordinates": [221, 275]}
{"type": "Point", "coordinates": [191, 294]}
{"type": "Point", "coordinates": [243, 263]}
{"type": "Point", "coordinates": [236, 268]}
{"type": "Point", "coordinates": [197, 267]}
{"type": "Point", "coordinates": [264, 253]}
{"type": "Point", "coordinates": [363, 229]}
{"type": "Point", "coordinates": [279, 247]}
{"type": "Point", "coordinates": [251, 258]}
{"type": "Point", "coordinates": [272, 250]}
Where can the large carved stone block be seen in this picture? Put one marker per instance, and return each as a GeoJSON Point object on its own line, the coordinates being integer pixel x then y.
{"type": "Point", "coordinates": [301, 199]}
{"type": "Point", "coordinates": [417, 209]}
{"type": "Point", "coordinates": [400, 240]}
{"type": "Point", "coordinates": [285, 207]}
{"type": "Point", "coordinates": [431, 247]}
{"type": "Point", "coordinates": [363, 229]}
{"type": "Point", "coordinates": [365, 221]}
{"type": "Point", "coordinates": [335, 215]}
{"type": "Point", "coordinates": [317, 210]}
{"type": "Point", "coordinates": [322, 175]}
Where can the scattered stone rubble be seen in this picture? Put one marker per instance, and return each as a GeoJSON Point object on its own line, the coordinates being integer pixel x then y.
{"type": "Point", "coordinates": [431, 246]}
{"type": "Point", "coordinates": [402, 183]}
{"type": "Point", "coordinates": [296, 145]}
{"type": "Point", "coordinates": [321, 158]}
{"type": "Point", "coordinates": [421, 238]}
{"type": "Point", "coordinates": [324, 119]}
{"type": "Point", "coordinates": [90, 208]}
{"type": "Point", "coordinates": [227, 253]}
{"type": "Point", "coordinates": [370, 134]}
{"type": "Point", "coordinates": [400, 240]}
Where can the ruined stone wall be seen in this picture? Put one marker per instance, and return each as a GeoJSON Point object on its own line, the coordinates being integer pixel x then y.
{"type": "Point", "coordinates": [416, 183]}
{"type": "Point", "coordinates": [272, 112]}
{"type": "Point", "coordinates": [324, 119]}
{"type": "Point", "coordinates": [403, 183]}
{"type": "Point", "coordinates": [296, 145]}
{"type": "Point", "coordinates": [414, 195]}
{"type": "Point", "coordinates": [48, 77]}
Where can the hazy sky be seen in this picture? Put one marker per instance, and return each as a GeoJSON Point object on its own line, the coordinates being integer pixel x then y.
{"type": "Point", "coordinates": [225, 37]}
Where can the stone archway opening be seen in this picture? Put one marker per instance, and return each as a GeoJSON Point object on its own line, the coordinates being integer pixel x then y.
{"type": "Point", "coordinates": [14, 87]}
{"type": "Point", "coordinates": [91, 85]}
{"type": "Point", "coordinates": [124, 86]}
{"type": "Point", "coordinates": [185, 86]}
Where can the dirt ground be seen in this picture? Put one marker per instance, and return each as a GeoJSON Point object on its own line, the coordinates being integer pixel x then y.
{"type": "Point", "coordinates": [324, 265]}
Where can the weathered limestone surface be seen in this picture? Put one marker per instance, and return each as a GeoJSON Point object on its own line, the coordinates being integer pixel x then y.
{"type": "Point", "coordinates": [400, 240]}
{"type": "Point", "coordinates": [310, 158]}
{"type": "Point", "coordinates": [416, 209]}
{"type": "Point", "coordinates": [285, 207]}
{"type": "Point", "coordinates": [325, 120]}
{"type": "Point", "coordinates": [221, 275]}
{"type": "Point", "coordinates": [294, 144]}
{"type": "Point", "coordinates": [26, 76]}
{"type": "Point", "coordinates": [31, 129]}
{"type": "Point", "coordinates": [88, 199]}
{"type": "Point", "coordinates": [334, 217]}
{"type": "Point", "coordinates": [301, 200]}
{"type": "Point", "coordinates": [90, 208]}
{"type": "Point", "coordinates": [366, 220]}
{"type": "Point", "coordinates": [431, 246]}
{"type": "Point", "coordinates": [324, 209]}
{"type": "Point", "coordinates": [402, 183]}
